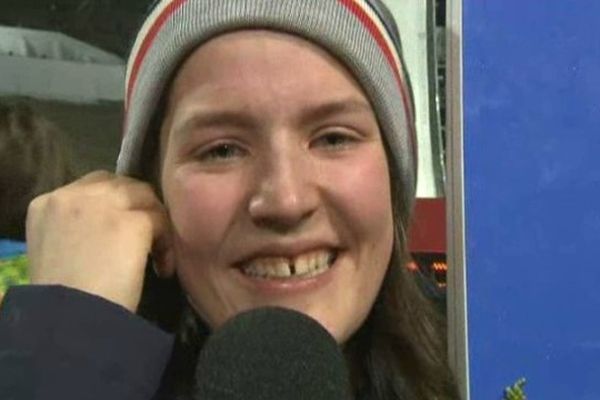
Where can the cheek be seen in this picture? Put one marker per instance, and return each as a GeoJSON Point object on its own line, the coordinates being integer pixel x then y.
{"type": "Point", "coordinates": [362, 191]}
{"type": "Point", "coordinates": [201, 207]}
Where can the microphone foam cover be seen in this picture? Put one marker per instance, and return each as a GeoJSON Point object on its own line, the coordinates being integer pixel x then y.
{"type": "Point", "coordinates": [271, 353]}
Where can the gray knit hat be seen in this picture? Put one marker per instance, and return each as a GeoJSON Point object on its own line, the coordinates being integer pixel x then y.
{"type": "Point", "coordinates": [360, 33]}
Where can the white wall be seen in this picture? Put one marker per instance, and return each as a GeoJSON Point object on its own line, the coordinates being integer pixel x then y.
{"type": "Point", "coordinates": [410, 17]}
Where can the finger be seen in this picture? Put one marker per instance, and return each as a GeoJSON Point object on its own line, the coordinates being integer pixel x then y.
{"type": "Point", "coordinates": [134, 194]}
{"type": "Point", "coordinates": [32, 222]}
{"type": "Point", "coordinates": [92, 177]}
{"type": "Point", "coordinates": [155, 223]}
{"type": "Point", "coordinates": [121, 191]}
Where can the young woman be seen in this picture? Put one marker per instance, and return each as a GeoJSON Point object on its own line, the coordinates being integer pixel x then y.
{"type": "Point", "coordinates": [278, 137]}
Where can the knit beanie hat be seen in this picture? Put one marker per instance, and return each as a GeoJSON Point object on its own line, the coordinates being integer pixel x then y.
{"type": "Point", "coordinates": [361, 34]}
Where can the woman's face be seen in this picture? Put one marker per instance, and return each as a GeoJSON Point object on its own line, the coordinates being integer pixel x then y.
{"type": "Point", "coordinates": [276, 181]}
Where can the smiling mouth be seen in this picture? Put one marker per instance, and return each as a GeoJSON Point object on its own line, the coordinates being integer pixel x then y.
{"type": "Point", "coordinates": [306, 265]}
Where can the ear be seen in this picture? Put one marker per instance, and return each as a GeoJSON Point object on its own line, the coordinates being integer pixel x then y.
{"type": "Point", "coordinates": [163, 258]}
{"type": "Point", "coordinates": [164, 263]}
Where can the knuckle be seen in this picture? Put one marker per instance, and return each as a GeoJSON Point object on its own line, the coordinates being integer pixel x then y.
{"type": "Point", "coordinates": [57, 200]}
{"type": "Point", "coordinates": [148, 191]}
{"type": "Point", "coordinates": [142, 185]}
{"type": "Point", "coordinates": [101, 173]}
{"type": "Point", "coordinates": [36, 204]}
{"type": "Point", "coordinates": [138, 192]}
{"type": "Point", "coordinates": [65, 204]}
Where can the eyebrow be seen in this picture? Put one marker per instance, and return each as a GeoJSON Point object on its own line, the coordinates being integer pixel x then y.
{"type": "Point", "coordinates": [333, 108]}
{"type": "Point", "coordinates": [216, 119]}
{"type": "Point", "coordinates": [241, 120]}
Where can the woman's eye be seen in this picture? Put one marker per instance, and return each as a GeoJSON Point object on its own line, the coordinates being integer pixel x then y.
{"type": "Point", "coordinates": [222, 152]}
{"type": "Point", "coordinates": [334, 140]}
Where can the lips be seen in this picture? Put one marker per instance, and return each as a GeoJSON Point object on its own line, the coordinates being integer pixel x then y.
{"type": "Point", "coordinates": [305, 265]}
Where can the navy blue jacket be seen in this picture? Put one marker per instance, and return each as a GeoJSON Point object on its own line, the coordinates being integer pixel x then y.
{"type": "Point", "coordinates": [61, 343]}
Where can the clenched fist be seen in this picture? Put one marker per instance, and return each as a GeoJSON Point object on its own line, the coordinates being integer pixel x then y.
{"type": "Point", "coordinates": [95, 235]}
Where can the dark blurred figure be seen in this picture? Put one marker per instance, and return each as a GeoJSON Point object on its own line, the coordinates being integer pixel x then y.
{"type": "Point", "coordinates": [34, 159]}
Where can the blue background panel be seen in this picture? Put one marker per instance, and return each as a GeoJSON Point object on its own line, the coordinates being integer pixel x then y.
{"type": "Point", "coordinates": [532, 196]}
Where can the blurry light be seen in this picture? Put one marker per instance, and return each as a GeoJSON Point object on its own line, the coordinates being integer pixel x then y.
{"type": "Point", "coordinates": [440, 266]}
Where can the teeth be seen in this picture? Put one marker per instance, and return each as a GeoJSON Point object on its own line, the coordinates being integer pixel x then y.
{"type": "Point", "coordinates": [305, 265]}
{"type": "Point", "coordinates": [282, 269]}
{"type": "Point", "coordinates": [323, 258]}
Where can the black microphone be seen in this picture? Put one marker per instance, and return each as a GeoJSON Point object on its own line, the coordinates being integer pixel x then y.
{"type": "Point", "coordinates": [271, 354]}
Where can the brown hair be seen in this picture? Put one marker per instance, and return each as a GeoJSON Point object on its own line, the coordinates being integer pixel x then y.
{"type": "Point", "coordinates": [400, 351]}
{"type": "Point", "coordinates": [34, 159]}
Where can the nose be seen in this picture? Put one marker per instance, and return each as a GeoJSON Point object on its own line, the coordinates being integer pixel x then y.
{"type": "Point", "coordinates": [285, 194]}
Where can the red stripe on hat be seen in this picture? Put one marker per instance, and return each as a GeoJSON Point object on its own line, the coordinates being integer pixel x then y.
{"type": "Point", "coordinates": [373, 29]}
{"type": "Point", "coordinates": [148, 39]}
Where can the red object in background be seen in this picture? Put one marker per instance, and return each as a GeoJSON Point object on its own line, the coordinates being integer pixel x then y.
{"type": "Point", "coordinates": [427, 233]}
